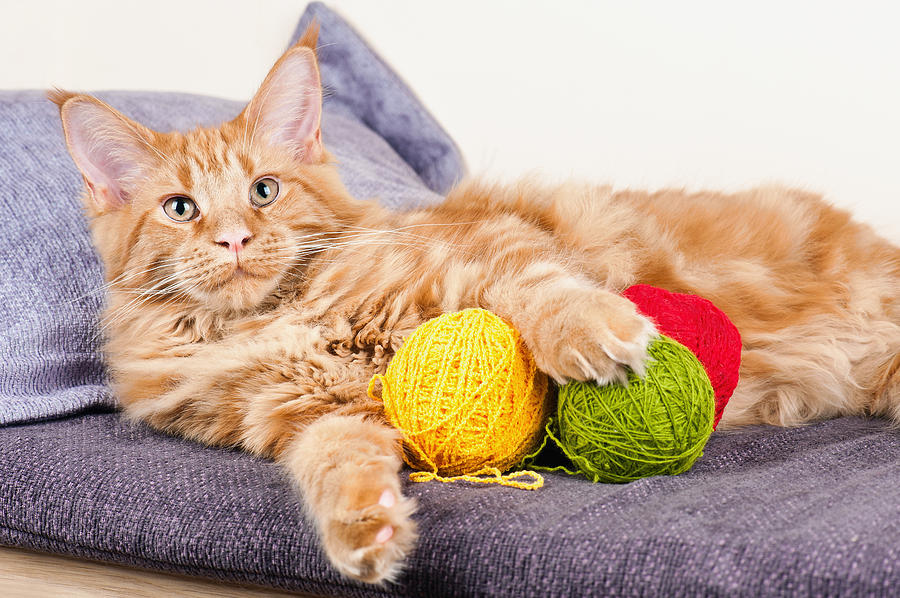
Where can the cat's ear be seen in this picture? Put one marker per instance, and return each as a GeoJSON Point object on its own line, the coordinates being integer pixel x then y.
{"type": "Point", "coordinates": [112, 151]}
{"type": "Point", "coordinates": [287, 109]}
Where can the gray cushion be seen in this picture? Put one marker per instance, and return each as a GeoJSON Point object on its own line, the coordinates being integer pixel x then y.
{"type": "Point", "coordinates": [813, 511]}
{"type": "Point", "coordinates": [386, 143]}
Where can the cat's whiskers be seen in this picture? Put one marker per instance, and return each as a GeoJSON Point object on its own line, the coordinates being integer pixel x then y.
{"type": "Point", "coordinates": [126, 276]}
{"type": "Point", "coordinates": [403, 230]}
{"type": "Point", "coordinates": [183, 281]}
{"type": "Point", "coordinates": [168, 285]}
{"type": "Point", "coordinates": [372, 241]}
{"type": "Point", "coordinates": [181, 294]}
{"type": "Point", "coordinates": [400, 229]}
{"type": "Point", "coordinates": [368, 236]}
{"type": "Point", "coordinates": [351, 239]}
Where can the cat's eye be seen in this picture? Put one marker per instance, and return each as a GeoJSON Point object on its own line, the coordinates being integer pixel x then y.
{"type": "Point", "coordinates": [180, 208]}
{"type": "Point", "coordinates": [264, 191]}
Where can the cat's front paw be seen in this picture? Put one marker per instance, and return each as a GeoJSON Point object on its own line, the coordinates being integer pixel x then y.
{"type": "Point", "coordinates": [591, 335]}
{"type": "Point", "coordinates": [349, 471]}
{"type": "Point", "coordinates": [369, 531]}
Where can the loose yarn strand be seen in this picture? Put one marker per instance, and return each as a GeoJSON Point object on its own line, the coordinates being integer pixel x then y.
{"type": "Point", "coordinates": [486, 475]}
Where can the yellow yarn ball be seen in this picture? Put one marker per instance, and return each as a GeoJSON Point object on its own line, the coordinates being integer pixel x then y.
{"type": "Point", "coordinates": [465, 394]}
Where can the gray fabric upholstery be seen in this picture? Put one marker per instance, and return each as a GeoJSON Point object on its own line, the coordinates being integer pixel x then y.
{"type": "Point", "coordinates": [765, 512]}
{"type": "Point", "coordinates": [50, 277]}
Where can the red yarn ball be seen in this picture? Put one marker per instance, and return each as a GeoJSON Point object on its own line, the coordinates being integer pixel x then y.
{"type": "Point", "coordinates": [701, 327]}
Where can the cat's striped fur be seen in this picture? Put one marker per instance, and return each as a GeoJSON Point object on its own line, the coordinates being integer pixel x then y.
{"type": "Point", "coordinates": [270, 348]}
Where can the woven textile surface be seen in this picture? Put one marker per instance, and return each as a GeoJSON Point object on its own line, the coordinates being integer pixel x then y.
{"type": "Point", "coordinates": [765, 512]}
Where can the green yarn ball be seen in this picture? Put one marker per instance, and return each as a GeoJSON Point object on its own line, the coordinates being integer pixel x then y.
{"type": "Point", "coordinates": [657, 425]}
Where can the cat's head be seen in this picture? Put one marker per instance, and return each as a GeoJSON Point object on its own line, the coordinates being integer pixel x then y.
{"type": "Point", "coordinates": [214, 216]}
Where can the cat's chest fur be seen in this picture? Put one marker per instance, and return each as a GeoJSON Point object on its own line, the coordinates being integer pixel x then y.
{"type": "Point", "coordinates": [356, 310]}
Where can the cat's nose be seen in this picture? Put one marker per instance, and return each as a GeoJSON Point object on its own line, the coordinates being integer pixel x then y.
{"type": "Point", "coordinates": [234, 240]}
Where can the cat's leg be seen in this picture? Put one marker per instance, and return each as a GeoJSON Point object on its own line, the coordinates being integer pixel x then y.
{"type": "Point", "coordinates": [575, 329]}
{"type": "Point", "coordinates": [347, 469]}
{"type": "Point", "coordinates": [830, 365]}
{"type": "Point", "coordinates": [887, 387]}
{"type": "Point", "coordinates": [842, 356]}
{"type": "Point", "coordinates": [280, 394]}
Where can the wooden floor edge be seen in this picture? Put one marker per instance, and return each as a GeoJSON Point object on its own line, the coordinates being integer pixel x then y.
{"type": "Point", "coordinates": [27, 574]}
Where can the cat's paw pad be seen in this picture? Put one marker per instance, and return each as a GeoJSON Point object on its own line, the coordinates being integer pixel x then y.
{"type": "Point", "coordinates": [370, 531]}
{"type": "Point", "coordinates": [594, 336]}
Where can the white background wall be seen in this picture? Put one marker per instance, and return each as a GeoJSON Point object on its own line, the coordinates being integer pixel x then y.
{"type": "Point", "coordinates": [690, 93]}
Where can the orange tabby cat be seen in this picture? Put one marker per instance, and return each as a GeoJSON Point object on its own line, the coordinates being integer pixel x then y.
{"type": "Point", "coordinates": [251, 298]}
